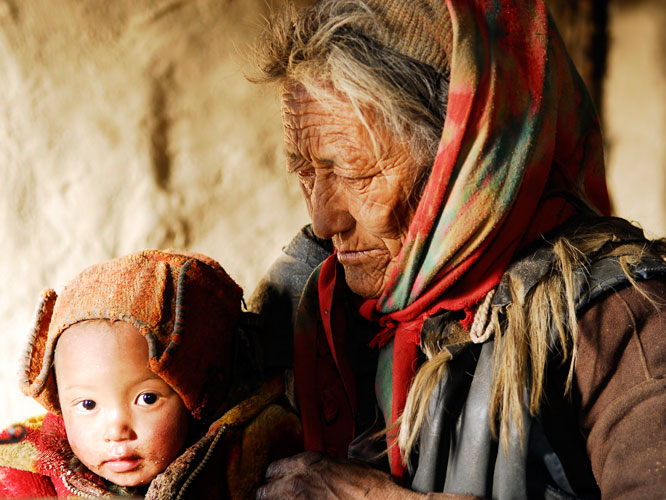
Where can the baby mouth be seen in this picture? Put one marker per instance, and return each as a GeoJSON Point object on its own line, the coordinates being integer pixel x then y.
{"type": "Point", "coordinates": [123, 464]}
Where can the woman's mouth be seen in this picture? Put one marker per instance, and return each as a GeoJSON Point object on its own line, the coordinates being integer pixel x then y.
{"type": "Point", "coordinates": [123, 464]}
{"type": "Point", "coordinates": [355, 257]}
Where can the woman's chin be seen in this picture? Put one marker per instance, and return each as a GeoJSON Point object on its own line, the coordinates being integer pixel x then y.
{"type": "Point", "coordinates": [364, 284]}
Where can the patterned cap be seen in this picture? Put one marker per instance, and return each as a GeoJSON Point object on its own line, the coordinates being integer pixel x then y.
{"type": "Point", "coordinates": [184, 304]}
{"type": "Point", "coordinates": [418, 29]}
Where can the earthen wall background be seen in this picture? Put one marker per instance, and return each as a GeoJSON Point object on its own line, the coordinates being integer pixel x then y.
{"type": "Point", "coordinates": [129, 125]}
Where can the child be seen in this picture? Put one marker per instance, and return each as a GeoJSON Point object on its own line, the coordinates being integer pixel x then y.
{"type": "Point", "coordinates": [133, 361]}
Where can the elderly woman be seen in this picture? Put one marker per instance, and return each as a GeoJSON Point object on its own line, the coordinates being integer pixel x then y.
{"type": "Point", "coordinates": [476, 325]}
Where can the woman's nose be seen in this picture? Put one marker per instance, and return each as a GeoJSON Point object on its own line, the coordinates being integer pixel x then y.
{"type": "Point", "coordinates": [118, 426]}
{"type": "Point", "coordinates": [330, 211]}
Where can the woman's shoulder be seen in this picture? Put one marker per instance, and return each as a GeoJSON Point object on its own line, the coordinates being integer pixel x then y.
{"type": "Point", "coordinates": [592, 255]}
{"type": "Point", "coordinates": [287, 276]}
{"type": "Point", "coordinates": [276, 297]}
{"type": "Point", "coordinates": [620, 377]}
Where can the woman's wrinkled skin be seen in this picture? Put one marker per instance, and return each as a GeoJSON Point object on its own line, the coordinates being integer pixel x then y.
{"type": "Point", "coordinates": [359, 192]}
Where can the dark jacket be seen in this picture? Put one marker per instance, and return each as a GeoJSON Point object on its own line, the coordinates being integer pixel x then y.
{"type": "Point", "coordinates": [457, 452]}
{"type": "Point", "coordinates": [574, 446]}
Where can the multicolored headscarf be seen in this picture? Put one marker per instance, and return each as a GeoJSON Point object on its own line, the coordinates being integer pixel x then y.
{"type": "Point", "coordinates": [520, 130]}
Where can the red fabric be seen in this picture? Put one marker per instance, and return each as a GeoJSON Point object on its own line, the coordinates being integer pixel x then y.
{"type": "Point", "coordinates": [15, 483]}
{"type": "Point", "coordinates": [49, 450]}
{"type": "Point", "coordinates": [405, 353]}
{"type": "Point", "coordinates": [324, 381]}
{"type": "Point", "coordinates": [524, 86]}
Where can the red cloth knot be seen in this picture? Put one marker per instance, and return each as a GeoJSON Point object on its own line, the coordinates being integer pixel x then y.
{"type": "Point", "coordinates": [390, 328]}
{"type": "Point", "coordinates": [467, 321]}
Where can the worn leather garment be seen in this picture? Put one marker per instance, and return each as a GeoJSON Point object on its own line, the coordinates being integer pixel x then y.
{"type": "Point", "coordinates": [457, 452]}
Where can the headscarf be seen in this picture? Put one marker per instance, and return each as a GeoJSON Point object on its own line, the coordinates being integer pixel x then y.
{"type": "Point", "coordinates": [520, 131]}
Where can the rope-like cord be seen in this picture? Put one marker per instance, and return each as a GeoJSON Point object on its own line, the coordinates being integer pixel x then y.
{"type": "Point", "coordinates": [180, 309]}
{"type": "Point", "coordinates": [482, 329]}
{"type": "Point", "coordinates": [203, 463]}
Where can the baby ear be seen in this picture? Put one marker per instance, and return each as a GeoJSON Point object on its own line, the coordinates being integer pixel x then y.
{"type": "Point", "coordinates": [39, 353]}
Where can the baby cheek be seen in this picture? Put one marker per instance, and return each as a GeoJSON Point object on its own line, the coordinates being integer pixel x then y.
{"type": "Point", "coordinates": [167, 441]}
{"type": "Point", "coordinates": [82, 442]}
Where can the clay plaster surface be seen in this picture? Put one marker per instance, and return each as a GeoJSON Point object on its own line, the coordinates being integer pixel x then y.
{"type": "Point", "coordinates": [635, 112]}
{"type": "Point", "coordinates": [129, 125]}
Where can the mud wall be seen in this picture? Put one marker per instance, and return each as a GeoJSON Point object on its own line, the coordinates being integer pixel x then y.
{"type": "Point", "coordinates": [634, 111]}
{"type": "Point", "coordinates": [128, 125]}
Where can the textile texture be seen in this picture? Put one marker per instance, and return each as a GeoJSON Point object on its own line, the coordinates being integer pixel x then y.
{"type": "Point", "coordinates": [621, 386]}
{"type": "Point", "coordinates": [581, 444]}
{"type": "Point", "coordinates": [227, 462]}
{"type": "Point", "coordinates": [520, 139]}
{"type": "Point", "coordinates": [185, 305]}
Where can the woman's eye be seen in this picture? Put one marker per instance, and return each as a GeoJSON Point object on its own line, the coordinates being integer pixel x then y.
{"type": "Point", "coordinates": [86, 404]}
{"type": "Point", "coordinates": [307, 178]}
{"type": "Point", "coordinates": [147, 399]}
{"type": "Point", "coordinates": [357, 183]}
{"type": "Point", "coordinates": [305, 174]}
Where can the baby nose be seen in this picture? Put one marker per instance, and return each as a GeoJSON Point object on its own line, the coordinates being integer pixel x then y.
{"type": "Point", "coordinates": [118, 427]}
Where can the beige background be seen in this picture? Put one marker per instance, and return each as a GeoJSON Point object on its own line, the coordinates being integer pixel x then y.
{"type": "Point", "coordinates": [126, 125]}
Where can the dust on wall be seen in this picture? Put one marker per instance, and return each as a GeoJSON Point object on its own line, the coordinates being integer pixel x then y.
{"type": "Point", "coordinates": [125, 126]}
{"type": "Point", "coordinates": [128, 125]}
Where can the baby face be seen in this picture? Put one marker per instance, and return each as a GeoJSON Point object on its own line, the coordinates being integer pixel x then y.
{"type": "Point", "coordinates": [123, 422]}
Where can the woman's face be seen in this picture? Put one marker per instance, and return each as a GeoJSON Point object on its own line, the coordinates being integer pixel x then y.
{"type": "Point", "coordinates": [358, 193]}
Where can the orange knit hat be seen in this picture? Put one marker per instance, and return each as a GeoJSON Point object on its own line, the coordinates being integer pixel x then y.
{"type": "Point", "coordinates": [184, 304]}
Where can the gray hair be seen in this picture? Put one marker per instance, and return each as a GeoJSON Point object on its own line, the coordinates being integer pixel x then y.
{"type": "Point", "coordinates": [334, 43]}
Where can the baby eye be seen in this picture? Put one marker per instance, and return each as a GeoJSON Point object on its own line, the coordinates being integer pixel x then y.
{"type": "Point", "coordinates": [147, 399]}
{"type": "Point", "coordinates": [86, 404]}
